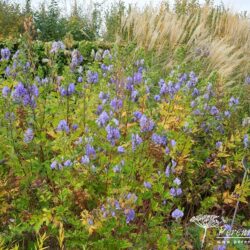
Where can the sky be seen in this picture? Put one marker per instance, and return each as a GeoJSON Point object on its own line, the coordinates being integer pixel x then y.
{"type": "Point", "coordinates": [235, 5]}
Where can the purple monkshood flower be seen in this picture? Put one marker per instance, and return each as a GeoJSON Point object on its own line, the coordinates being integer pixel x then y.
{"type": "Point", "coordinates": [104, 67]}
{"type": "Point", "coordinates": [147, 184]}
{"type": "Point", "coordinates": [172, 143]}
{"type": "Point", "coordinates": [246, 141]}
{"type": "Point", "coordinates": [85, 159]}
{"type": "Point", "coordinates": [196, 92]}
{"type": "Point", "coordinates": [147, 89]}
{"type": "Point", "coordinates": [25, 95]}
{"type": "Point", "coordinates": [103, 96]}
{"type": "Point", "coordinates": [175, 191]}
{"type": "Point", "coordinates": [113, 134]}
{"type": "Point", "coordinates": [133, 196]}
{"type": "Point", "coordinates": [159, 140]}
{"type": "Point", "coordinates": [223, 167]}
{"type": "Point", "coordinates": [111, 113]}
{"type": "Point", "coordinates": [164, 89]}
{"type": "Point", "coordinates": [80, 79]}
{"type": "Point", "coordinates": [129, 84]}
{"type": "Point", "coordinates": [172, 191]}
{"type": "Point", "coordinates": [116, 122]}
{"type": "Point", "coordinates": [130, 215]}
{"type": "Point", "coordinates": [117, 169]}
{"type": "Point", "coordinates": [183, 78]}
{"type": "Point", "coordinates": [63, 91]}
{"type": "Point", "coordinates": [19, 92]}
{"type": "Point", "coordinates": [26, 66]}
{"type": "Point", "coordinates": [45, 81]}
{"type": "Point", "coordinates": [107, 54]}
{"type": "Point", "coordinates": [89, 150]}
{"type": "Point", "coordinates": [92, 77]}
{"type": "Point", "coordinates": [63, 126]}
{"type": "Point", "coordinates": [177, 181]}
{"type": "Point", "coordinates": [228, 227]}
{"type": "Point", "coordinates": [74, 126]}
{"type": "Point", "coordinates": [227, 113]}
{"type": "Point", "coordinates": [206, 107]}
{"type": "Point", "coordinates": [193, 104]}
{"type": "Point", "coordinates": [5, 91]}
{"type": "Point", "coordinates": [137, 78]}
{"type": "Point", "coordinates": [177, 214]}
{"type": "Point", "coordinates": [76, 59]}
{"type": "Point", "coordinates": [71, 88]}
{"type": "Point", "coordinates": [117, 205]}
{"type": "Point", "coordinates": [120, 149]}
{"type": "Point", "coordinates": [90, 221]}
{"type": "Point", "coordinates": [167, 171]}
{"type": "Point", "coordinates": [197, 112]}
{"type": "Point", "coordinates": [5, 54]}
{"type": "Point", "coordinates": [56, 46]}
{"type": "Point", "coordinates": [193, 79]}
{"type": "Point", "coordinates": [33, 90]}
{"type": "Point", "coordinates": [177, 86]}
{"type": "Point", "coordinates": [136, 140]}
{"type": "Point", "coordinates": [247, 80]}
{"type": "Point", "coordinates": [218, 144]}
{"type": "Point", "coordinates": [68, 163]}
{"type": "Point", "coordinates": [146, 124]}
{"type": "Point", "coordinates": [157, 98]}
{"type": "Point", "coordinates": [9, 116]}
{"type": "Point", "coordinates": [53, 165]}
{"type": "Point", "coordinates": [99, 109]}
{"type": "Point", "coordinates": [134, 95]}
{"type": "Point", "coordinates": [28, 135]}
{"type": "Point", "coordinates": [167, 150]}
{"type": "Point", "coordinates": [214, 111]}
{"type": "Point", "coordinates": [220, 247]}
{"type": "Point", "coordinates": [178, 191]}
{"type": "Point", "coordinates": [137, 115]}
{"type": "Point", "coordinates": [69, 91]}
{"type": "Point", "coordinates": [116, 104]}
{"type": "Point", "coordinates": [161, 83]}
{"type": "Point", "coordinates": [173, 163]}
{"type": "Point", "coordinates": [8, 71]}
{"type": "Point", "coordinates": [233, 101]}
{"type": "Point", "coordinates": [102, 119]}
{"type": "Point", "coordinates": [15, 56]}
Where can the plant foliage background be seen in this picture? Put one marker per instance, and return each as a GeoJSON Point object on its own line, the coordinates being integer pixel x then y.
{"type": "Point", "coordinates": [116, 138]}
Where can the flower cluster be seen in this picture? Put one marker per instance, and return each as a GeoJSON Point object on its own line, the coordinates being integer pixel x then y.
{"type": "Point", "coordinates": [146, 124]}
{"type": "Point", "coordinates": [25, 95]}
{"type": "Point", "coordinates": [5, 54]}
{"type": "Point", "coordinates": [60, 165]}
{"type": "Point", "coordinates": [92, 77]}
{"type": "Point", "coordinates": [67, 91]}
{"type": "Point", "coordinates": [123, 205]}
{"type": "Point", "coordinates": [113, 134]}
{"type": "Point", "coordinates": [56, 46]}
{"type": "Point", "coordinates": [76, 59]}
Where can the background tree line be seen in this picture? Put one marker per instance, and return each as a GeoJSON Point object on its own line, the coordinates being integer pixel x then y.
{"type": "Point", "coordinates": [50, 24]}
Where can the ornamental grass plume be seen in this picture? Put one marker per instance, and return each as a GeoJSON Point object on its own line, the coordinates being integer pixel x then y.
{"type": "Point", "coordinates": [222, 37]}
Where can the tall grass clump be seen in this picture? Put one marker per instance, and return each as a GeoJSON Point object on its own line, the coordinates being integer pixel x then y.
{"type": "Point", "coordinates": [214, 35]}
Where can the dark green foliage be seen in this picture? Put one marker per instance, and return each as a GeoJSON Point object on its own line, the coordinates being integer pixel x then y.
{"type": "Point", "coordinates": [49, 24]}
{"type": "Point", "coordinates": [113, 20]}
{"type": "Point", "coordinates": [11, 19]}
